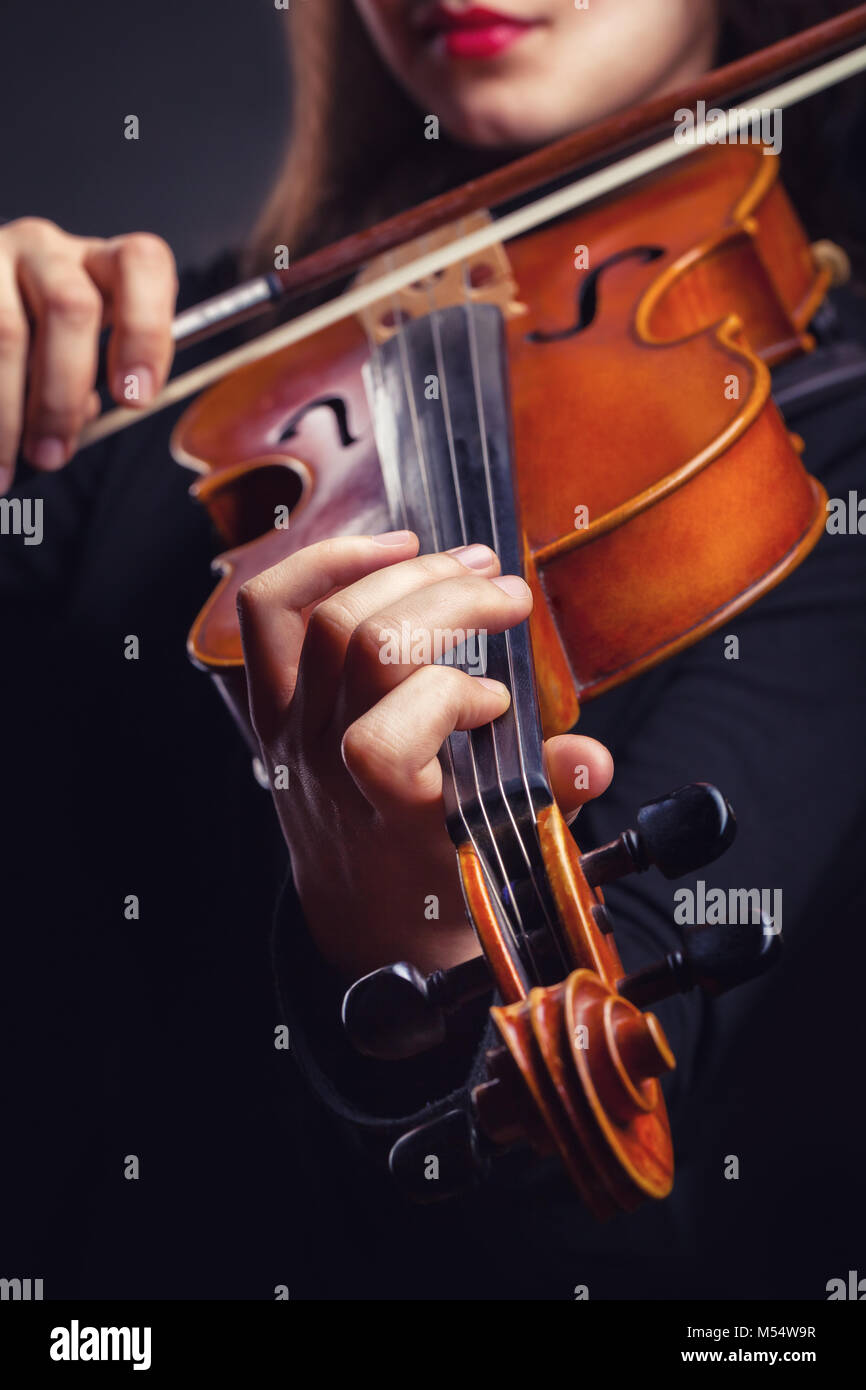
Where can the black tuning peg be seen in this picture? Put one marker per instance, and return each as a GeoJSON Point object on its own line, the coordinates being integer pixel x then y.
{"type": "Point", "coordinates": [678, 833]}
{"type": "Point", "coordinates": [439, 1159]}
{"type": "Point", "coordinates": [713, 958]}
{"type": "Point", "coordinates": [397, 1012]}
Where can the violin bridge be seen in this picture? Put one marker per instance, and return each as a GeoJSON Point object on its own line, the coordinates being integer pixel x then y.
{"type": "Point", "coordinates": [485, 278]}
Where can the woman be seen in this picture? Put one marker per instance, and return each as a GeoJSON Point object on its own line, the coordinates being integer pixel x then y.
{"type": "Point", "coordinates": [364, 824]}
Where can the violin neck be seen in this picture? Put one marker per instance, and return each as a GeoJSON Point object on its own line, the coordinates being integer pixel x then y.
{"type": "Point", "coordinates": [441, 409]}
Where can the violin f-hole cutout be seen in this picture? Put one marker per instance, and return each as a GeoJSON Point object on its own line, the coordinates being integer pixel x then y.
{"type": "Point", "coordinates": [588, 293]}
{"type": "Point", "coordinates": [338, 408]}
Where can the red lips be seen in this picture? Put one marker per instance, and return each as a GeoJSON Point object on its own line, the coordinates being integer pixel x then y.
{"type": "Point", "coordinates": [475, 33]}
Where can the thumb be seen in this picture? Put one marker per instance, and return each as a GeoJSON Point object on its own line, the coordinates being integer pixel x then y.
{"type": "Point", "coordinates": [578, 768]}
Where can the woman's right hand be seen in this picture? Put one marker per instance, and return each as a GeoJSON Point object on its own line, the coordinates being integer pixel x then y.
{"type": "Point", "coordinates": [57, 293]}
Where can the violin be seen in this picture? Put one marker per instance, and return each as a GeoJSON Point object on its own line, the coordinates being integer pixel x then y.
{"type": "Point", "coordinates": [581, 383]}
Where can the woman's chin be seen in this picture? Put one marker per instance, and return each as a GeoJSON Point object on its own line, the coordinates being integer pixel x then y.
{"type": "Point", "coordinates": [492, 128]}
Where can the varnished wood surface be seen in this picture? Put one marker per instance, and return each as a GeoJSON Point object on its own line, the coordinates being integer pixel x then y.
{"type": "Point", "coordinates": [697, 503]}
{"type": "Point", "coordinates": [589, 1061]}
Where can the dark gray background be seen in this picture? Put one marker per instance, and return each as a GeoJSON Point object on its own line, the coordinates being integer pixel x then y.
{"type": "Point", "coordinates": [208, 81]}
{"type": "Point", "coordinates": [152, 1041]}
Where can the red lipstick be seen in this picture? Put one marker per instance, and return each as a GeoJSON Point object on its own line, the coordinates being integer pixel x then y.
{"type": "Point", "coordinates": [475, 33]}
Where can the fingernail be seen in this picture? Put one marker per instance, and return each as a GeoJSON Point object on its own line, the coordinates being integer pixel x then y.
{"type": "Point", "coordinates": [49, 453]}
{"type": "Point", "coordinates": [572, 816]}
{"type": "Point", "coordinates": [474, 557]}
{"type": "Point", "coordinates": [496, 686]}
{"type": "Point", "coordinates": [392, 537]}
{"type": "Point", "coordinates": [134, 385]}
{"type": "Point", "coordinates": [512, 585]}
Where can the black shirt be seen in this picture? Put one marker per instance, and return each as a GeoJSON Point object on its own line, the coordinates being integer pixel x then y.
{"type": "Point", "coordinates": [154, 1036]}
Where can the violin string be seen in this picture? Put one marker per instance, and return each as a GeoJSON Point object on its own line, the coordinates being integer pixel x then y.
{"type": "Point", "coordinates": [508, 642]}
{"type": "Point", "coordinates": [434, 315]}
{"type": "Point", "coordinates": [404, 351]}
{"type": "Point", "coordinates": [424, 472]}
{"type": "Point", "coordinates": [396, 476]}
{"type": "Point", "coordinates": [479, 798]}
{"type": "Point", "coordinates": [442, 377]}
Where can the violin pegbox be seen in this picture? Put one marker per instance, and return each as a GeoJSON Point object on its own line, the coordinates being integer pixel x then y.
{"type": "Point", "coordinates": [576, 1067]}
{"type": "Point", "coordinates": [484, 277]}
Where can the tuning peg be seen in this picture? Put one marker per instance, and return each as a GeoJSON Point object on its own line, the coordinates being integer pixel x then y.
{"type": "Point", "coordinates": [439, 1159]}
{"type": "Point", "coordinates": [397, 1012]}
{"type": "Point", "coordinates": [678, 833]}
{"type": "Point", "coordinates": [713, 958]}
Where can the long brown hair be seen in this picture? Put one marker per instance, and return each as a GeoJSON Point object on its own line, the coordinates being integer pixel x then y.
{"type": "Point", "coordinates": [357, 150]}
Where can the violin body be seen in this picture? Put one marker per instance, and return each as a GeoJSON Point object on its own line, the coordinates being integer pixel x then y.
{"type": "Point", "coordinates": [660, 491]}
{"type": "Point", "coordinates": [609, 380]}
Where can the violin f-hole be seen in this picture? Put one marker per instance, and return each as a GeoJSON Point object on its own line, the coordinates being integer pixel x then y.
{"type": "Point", "coordinates": [587, 293]}
{"type": "Point", "coordinates": [336, 405]}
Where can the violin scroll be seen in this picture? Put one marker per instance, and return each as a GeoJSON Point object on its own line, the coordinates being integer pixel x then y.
{"type": "Point", "coordinates": [576, 1066]}
{"type": "Point", "coordinates": [575, 1075]}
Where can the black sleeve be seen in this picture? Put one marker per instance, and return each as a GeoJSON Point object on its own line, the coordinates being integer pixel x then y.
{"type": "Point", "coordinates": [55, 508]}
{"type": "Point", "coordinates": [374, 1102]}
{"type": "Point", "coordinates": [64, 511]}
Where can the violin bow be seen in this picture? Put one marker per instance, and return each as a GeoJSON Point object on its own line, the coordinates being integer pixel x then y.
{"type": "Point", "coordinates": [837, 41]}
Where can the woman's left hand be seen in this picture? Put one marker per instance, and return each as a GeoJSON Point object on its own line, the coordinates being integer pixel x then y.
{"type": "Point", "coordinates": [350, 740]}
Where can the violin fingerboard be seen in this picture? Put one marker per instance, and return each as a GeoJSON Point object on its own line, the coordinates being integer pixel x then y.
{"type": "Point", "coordinates": [439, 398]}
